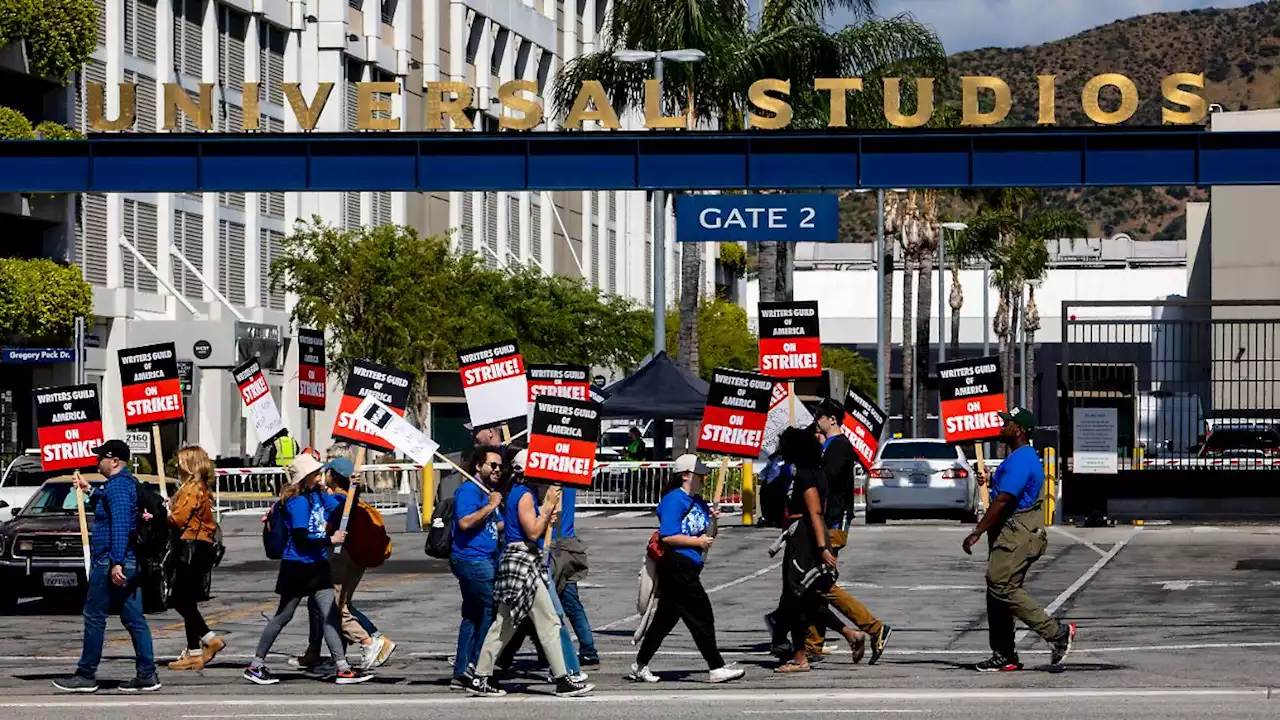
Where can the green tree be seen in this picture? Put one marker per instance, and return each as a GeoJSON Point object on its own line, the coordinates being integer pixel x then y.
{"type": "Point", "coordinates": [40, 301]}
{"type": "Point", "coordinates": [14, 125]}
{"type": "Point", "coordinates": [60, 35]}
{"type": "Point", "coordinates": [857, 370]}
{"type": "Point", "coordinates": [723, 337]}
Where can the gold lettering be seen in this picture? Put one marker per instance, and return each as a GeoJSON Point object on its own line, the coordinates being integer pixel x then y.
{"type": "Point", "coordinates": [97, 104]}
{"type": "Point", "coordinates": [176, 98]}
{"type": "Point", "coordinates": [508, 95]}
{"type": "Point", "coordinates": [840, 89]}
{"type": "Point", "coordinates": [1128, 99]}
{"type": "Point", "coordinates": [653, 117]}
{"type": "Point", "coordinates": [440, 102]}
{"type": "Point", "coordinates": [1171, 88]}
{"type": "Point", "coordinates": [759, 96]}
{"type": "Point", "coordinates": [592, 103]}
{"type": "Point", "coordinates": [252, 117]}
{"type": "Point", "coordinates": [1048, 99]}
{"type": "Point", "coordinates": [307, 115]}
{"type": "Point", "coordinates": [368, 103]}
{"type": "Point", "coordinates": [893, 102]}
{"type": "Point", "coordinates": [971, 113]}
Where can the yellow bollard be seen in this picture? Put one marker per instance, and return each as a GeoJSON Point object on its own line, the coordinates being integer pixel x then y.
{"type": "Point", "coordinates": [428, 494]}
{"type": "Point", "coordinates": [1051, 484]}
{"type": "Point", "coordinates": [748, 493]}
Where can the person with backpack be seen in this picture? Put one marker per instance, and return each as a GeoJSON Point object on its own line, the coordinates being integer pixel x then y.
{"type": "Point", "coordinates": [193, 555]}
{"type": "Point", "coordinates": [684, 519]}
{"type": "Point", "coordinates": [114, 579]}
{"type": "Point", "coordinates": [297, 533]}
{"type": "Point", "coordinates": [475, 524]}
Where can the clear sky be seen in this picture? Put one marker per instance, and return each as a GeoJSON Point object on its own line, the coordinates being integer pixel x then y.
{"type": "Point", "coordinates": [970, 24]}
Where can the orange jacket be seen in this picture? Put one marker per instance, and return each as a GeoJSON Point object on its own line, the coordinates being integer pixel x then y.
{"type": "Point", "coordinates": [192, 512]}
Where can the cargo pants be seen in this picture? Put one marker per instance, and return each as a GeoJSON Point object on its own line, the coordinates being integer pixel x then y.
{"type": "Point", "coordinates": [844, 603]}
{"type": "Point", "coordinates": [1012, 552]}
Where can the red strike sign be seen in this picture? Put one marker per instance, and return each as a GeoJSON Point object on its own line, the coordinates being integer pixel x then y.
{"type": "Point", "coordinates": [972, 393]}
{"type": "Point", "coordinates": [790, 346]}
{"type": "Point", "coordinates": [69, 426]}
{"type": "Point", "coordinates": [975, 419]}
{"type": "Point", "coordinates": [571, 462]}
{"type": "Point", "coordinates": [736, 414]}
{"type": "Point", "coordinates": [312, 376]}
{"type": "Point", "coordinates": [254, 388]}
{"type": "Point", "coordinates": [151, 390]}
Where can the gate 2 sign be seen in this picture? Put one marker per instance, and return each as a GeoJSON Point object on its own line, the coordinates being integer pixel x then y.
{"type": "Point", "coordinates": [755, 218]}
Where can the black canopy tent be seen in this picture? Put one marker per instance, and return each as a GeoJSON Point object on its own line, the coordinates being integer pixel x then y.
{"type": "Point", "coordinates": [659, 390]}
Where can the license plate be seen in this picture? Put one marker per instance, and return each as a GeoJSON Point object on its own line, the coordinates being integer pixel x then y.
{"type": "Point", "coordinates": [919, 479]}
{"type": "Point", "coordinates": [60, 579]}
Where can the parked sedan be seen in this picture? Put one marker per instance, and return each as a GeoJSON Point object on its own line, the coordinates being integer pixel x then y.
{"type": "Point", "coordinates": [921, 477]}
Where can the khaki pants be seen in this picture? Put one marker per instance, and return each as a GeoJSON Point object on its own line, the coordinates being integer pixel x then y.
{"type": "Point", "coordinates": [844, 603]}
{"type": "Point", "coordinates": [346, 577]}
{"type": "Point", "coordinates": [546, 625]}
{"type": "Point", "coordinates": [1012, 551]}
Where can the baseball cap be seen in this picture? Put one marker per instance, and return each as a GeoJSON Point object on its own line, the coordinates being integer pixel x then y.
{"type": "Point", "coordinates": [518, 462]}
{"type": "Point", "coordinates": [303, 467]}
{"type": "Point", "coordinates": [691, 463]}
{"type": "Point", "coordinates": [340, 466]}
{"type": "Point", "coordinates": [113, 449]}
{"type": "Point", "coordinates": [1021, 416]}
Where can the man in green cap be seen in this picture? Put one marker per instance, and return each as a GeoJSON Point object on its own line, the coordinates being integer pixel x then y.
{"type": "Point", "coordinates": [1014, 526]}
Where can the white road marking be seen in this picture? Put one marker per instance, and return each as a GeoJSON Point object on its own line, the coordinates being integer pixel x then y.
{"type": "Point", "coordinates": [263, 715]}
{"type": "Point", "coordinates": [716, 589]}
{"type": "Point", "coordinates": [1086, 577]}
{"type": "Point", "coordinates": [633, 514]}
{"type": "Point", "coordinates": [1188, 584]}
{"type": "Point", "coordinates": [1078, 540]}
{"type": "Point", "coordinates": [835, 711]}
{"type": "Point", "coordinates": [588, 513]}
{"type": "Point", "coordinates": [909, 588]}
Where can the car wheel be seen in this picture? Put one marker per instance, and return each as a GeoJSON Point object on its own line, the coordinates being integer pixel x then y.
{"type": "Point", "coordinates": [874, 518]}
{"type": "Point", "coordinates": [8, 603]}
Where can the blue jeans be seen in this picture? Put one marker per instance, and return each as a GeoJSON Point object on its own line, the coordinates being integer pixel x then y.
{"type": "Point", "coordinates": [475, 579]}
{"type": "Point", "coordinates": [577, 616]}
{"type": "Point", "coordinates": [103, 598]}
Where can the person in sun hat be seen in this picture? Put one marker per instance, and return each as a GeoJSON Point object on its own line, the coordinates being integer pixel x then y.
{"type": "Point", "coordinates": [1014, 526]}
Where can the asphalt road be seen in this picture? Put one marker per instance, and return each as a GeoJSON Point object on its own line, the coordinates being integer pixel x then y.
{"type": "Point", "coordinates": [1166, 614]}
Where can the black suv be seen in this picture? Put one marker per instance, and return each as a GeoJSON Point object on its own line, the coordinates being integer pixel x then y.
{"type": "Point", "coordinates": [40, 549]}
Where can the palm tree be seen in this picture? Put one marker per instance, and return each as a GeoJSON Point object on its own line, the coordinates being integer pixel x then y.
{"type": "Point", "coordinates": [961, 248]}
{"type": "Point", "coordinates": [926, 251]}
{"type": "Point", "coordinates": [909, 240]}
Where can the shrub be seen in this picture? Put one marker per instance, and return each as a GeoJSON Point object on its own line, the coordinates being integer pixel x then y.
{"type": "Point", "coordinates": [50, 130]}
{"type": "Point", "coordinates": [734, 259]}
{"type": "Point", "coordinates": [60, 34]}
{"type": "Point", "coordinates": [40, 300]}
{"type": "Point", "coordinates": [14, 125]}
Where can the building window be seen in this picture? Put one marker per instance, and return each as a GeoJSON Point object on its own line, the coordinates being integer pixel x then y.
{"type": "Point", "coordinates": [272, 204]}
{"type": "Point", "coordinates": [491, 228]}
{"type": "Point", "coordinates": [139, 28]}
{"type": "Point", "coordinates": [388, 11]}
{"type": "Point", "coordinates": [535, 227]}
{"type": "Point", "coordinates": [513, 224]}
{"type": "Point", "coordinates": [188, 239]}
{"type": "Point", "coordinates": [144, 101]}
{"type": "Point", "coordinates": [465, 218]}
{"type": "Point", "coordinates": [270, 249]}
{"type": "Point", "coordinates": [271, 44]}
{"type": "Point", "coordinates": [140, 228]}
{"type": "Point", "coordinates": [92, 255]}
{"type": "Point", "coordinates": [102, 21]}
{"type": "Point", "coordinates": [231, 261]}
{"type": "Point", "coordinates": [611, 265]}
{"type": "Point", "coordinates": [233, 26]}
{"type": "Point", "coordinates": [188, 37]}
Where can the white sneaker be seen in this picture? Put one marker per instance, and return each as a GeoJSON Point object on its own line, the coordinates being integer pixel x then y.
{"type": "Point", "coordinates": [642, 674]}
{"type": "Point", "coordinates": [369, 653]}
{"type": "Point", "coordinates": [728, 673]}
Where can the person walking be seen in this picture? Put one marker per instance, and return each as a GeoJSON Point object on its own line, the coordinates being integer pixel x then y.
{"type": "Point", "coordinates": [304, 570]}
{"type": "Point", "coordinates": [522, 589]}
{"type": "Point", "coordinates": [114, 579]}
{"type": "Point", "coordinates": [191, 517]}
{"type": "Point", "coordinates": [474, 557]}
{"type": "Point", "coordinates": [838, 462]}
{"type": "Point", "coordinates": [683, 521]}
{"type": "Point", "coordinates": [1016, 538]}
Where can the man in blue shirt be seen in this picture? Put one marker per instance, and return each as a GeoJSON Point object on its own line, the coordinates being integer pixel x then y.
{"type": "Point", "coordinates": [114, 579]}
{"type": "Point", "coordinates": [1014, 526]}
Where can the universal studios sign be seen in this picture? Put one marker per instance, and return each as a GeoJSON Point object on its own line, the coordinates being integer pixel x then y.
{"type": "Point", "coordinates": [768, 97]}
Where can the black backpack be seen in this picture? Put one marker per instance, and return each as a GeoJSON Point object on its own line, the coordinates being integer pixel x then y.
{"type": "Point", "coordinates": [150, 538]}
{"type": "Point", "coordinates": [440, 535]}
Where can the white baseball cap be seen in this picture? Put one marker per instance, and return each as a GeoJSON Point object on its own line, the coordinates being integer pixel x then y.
{"type": "Point", "coordinates": [691, 463]}
{"type": "Point", "coordinates": [303, 467]}
{"type": "Point", "coordinates": [517, 463]}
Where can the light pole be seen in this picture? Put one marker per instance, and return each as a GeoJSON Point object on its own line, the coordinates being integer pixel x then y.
{"type": "Point", "coordinates": [687, 55]}
{"type": "Point", "coordinates": [882, 370]}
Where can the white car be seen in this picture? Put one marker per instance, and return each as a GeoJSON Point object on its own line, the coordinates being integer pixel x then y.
{"type": "Point", "coordinates": [921, 476]}
{"type": "Point", "coordinates": [19, 481]}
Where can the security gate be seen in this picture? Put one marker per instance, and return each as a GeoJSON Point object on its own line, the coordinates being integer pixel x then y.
{"type": "Point", "coordinates": [1169, 409]}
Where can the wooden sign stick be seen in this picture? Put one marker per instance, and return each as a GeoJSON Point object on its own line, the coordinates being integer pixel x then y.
{"type": "Point", "coordinates": [720, 480]}
{"type": "Point", "coordinates": [506, 434]}
{"type": "Point", "coordinates": [155, 438]}
{"type": "Point", "coordinates": [982, 470]}
{"type": "Point", "coordinates": [84, 526]}
{"type": "Point", "coordinates": [351, 495]}
{"type": "Point", "coordinates": [791, 402]}
{"type": "Point", "coordinates": [546, 540]}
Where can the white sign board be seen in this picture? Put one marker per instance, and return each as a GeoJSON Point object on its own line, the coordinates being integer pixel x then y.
{"type": "Point", "coordinates": [397, 431]}
{"type": "Point", "coordinates": [780, 417]}
{"type": "Point", "coordinates": [139, 442]}
{"type": "Point", "coordinates": [259, 406]}
{"type": "Point", "coordinates": [1096, 438]}
{"type": "Point", "coordinates": [495, 384]}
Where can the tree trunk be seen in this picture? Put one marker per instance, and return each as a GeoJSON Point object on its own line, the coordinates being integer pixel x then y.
{"type": "Point", "coordinates": [887, 309]}
{"type": "Point", "coordinates": [767, 264]}
{"type": "Point", "coordinates": [908, 353]}
{"type": "Point", "coordinates": [1002, 324]}
{"type": "Point", "coordinates": [687, 339]}
{"type": "Point", "coordinates": [924, 322]}
{"type": "Point", "coordinates": [786, 270]}
{"type": "Point", "coordinates": [1031, 323]}
{"type": "Point", "coordinates": [957, 302]}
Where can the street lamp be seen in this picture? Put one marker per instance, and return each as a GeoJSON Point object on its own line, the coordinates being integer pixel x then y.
{"type": "Point", "coordinates": [686, 55]}
{"type": "Point", "coordinates": [882, 370]}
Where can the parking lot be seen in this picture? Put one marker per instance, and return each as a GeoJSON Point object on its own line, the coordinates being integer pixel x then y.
{"type": "Point", "coordinates": [1174, 608]}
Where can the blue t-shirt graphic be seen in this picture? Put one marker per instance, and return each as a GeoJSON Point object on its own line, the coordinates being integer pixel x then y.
{"type": "Point", "coordinates": [311, 511]}
{"type": "Point", "coordinates": [681, 514]}
{"type": "Point", "coordinates": [1020, 475]}
{"type": "Point", "coordinates": [481, 541]}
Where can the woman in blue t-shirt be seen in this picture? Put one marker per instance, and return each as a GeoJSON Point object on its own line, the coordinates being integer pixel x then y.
{"type": "Point", "coordinates": [683, 521]}
{"type": "Point", "coordinates": [304, 569]}
{"type": "Point", "coordinates": [474, 559]}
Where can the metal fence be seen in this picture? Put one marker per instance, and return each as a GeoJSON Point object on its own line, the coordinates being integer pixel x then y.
{"type": "Point", "coordinates": [1169, 408]}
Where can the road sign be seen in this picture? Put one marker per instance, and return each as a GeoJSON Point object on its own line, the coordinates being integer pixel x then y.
{"type": "Point", "coordinates": [139, 441]}
{"type": "Point", "coordinates": [754, 218]}
{"type": "Point", "coordinates": [186, 369]}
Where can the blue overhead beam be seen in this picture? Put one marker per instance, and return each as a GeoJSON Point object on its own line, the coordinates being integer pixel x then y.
{"type": "Point", "coordinates": [639, 160]}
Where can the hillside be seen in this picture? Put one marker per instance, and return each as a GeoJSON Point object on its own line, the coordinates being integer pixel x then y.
{"type": "Point", "coordinates": [1238, 50]}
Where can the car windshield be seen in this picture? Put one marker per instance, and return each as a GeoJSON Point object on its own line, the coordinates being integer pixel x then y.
{"type": "Point", "coordinates": [26, 473]}
{"type": "Point", "coordinates": [1243, 439]}
{"type": "Point", "coordinates": [56, 499]}
{"type": "Point", "coordinates": [918, 451]}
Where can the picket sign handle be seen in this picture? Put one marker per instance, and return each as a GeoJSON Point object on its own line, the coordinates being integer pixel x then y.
{"type": "Point", "coordinates": [155, 438]}
{"type": "Point", "coordinates": [791, 402]}
{"type": "Point", "coordinates": [546, 540]}
{"type": "Point", "coordinates": [84, 526]}
{"type": "Point", "coordinates": [506, 434]}
{"type": "Point", "coordinates": [720, 481]}
{"type": "Point", "coordinates": [351, 495]}
{"type": "Point", "coordinates": [982, 470]}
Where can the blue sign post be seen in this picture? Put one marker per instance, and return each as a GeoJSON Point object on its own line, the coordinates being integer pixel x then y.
{"type": "Point", "coordinates": [756, 218]}
{"type": "Point", "coordinates": [37, 356]}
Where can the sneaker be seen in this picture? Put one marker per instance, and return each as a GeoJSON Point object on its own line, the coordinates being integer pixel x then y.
{"type": "Point", "coordinates": [859, 647]}
{"type": "Point", "coordinates": [576, 677]}
{"type": "Point", "coordinates": [568, 687]}
{"type": "Point", "coordinates": [460, 682]}
{"type": "Point", "coordinates": [388, 649]}
{"type": "Point", "coordinates": [369, 653]}
{"type": "Point", "coordinates": [351, 676]}
{"type": "Point", "coordinates": [77, 684]}
{"type": "Point", "coordinates": [259, 675]}
{"type": "Point", "coordinates": [589, 660]}
{"type": "Point", "coordinates": [188, 660]}
{"type": "Point", "coordinates": [212, 648]}
{"type": "Point", "coordinates": [1061, 646]}
{"type": "Point", "coordinates": [141, 684]}
{"type": "Point", "coordinates": [485, 687]}
{"type": "Point", "coordinates": [306, 660]}
{"type": "Point", "coordinates": [878, 641]}
{"type": "Point", "coordinates": [995, 663]}
{"type": "Point", "coordinates": [728, 673]}
{"type": "Point", "coordinates": [642, 674]}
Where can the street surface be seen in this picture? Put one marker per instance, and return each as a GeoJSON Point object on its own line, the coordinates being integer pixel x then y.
{"type": "Point", "coordinates": [1175, 621]}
